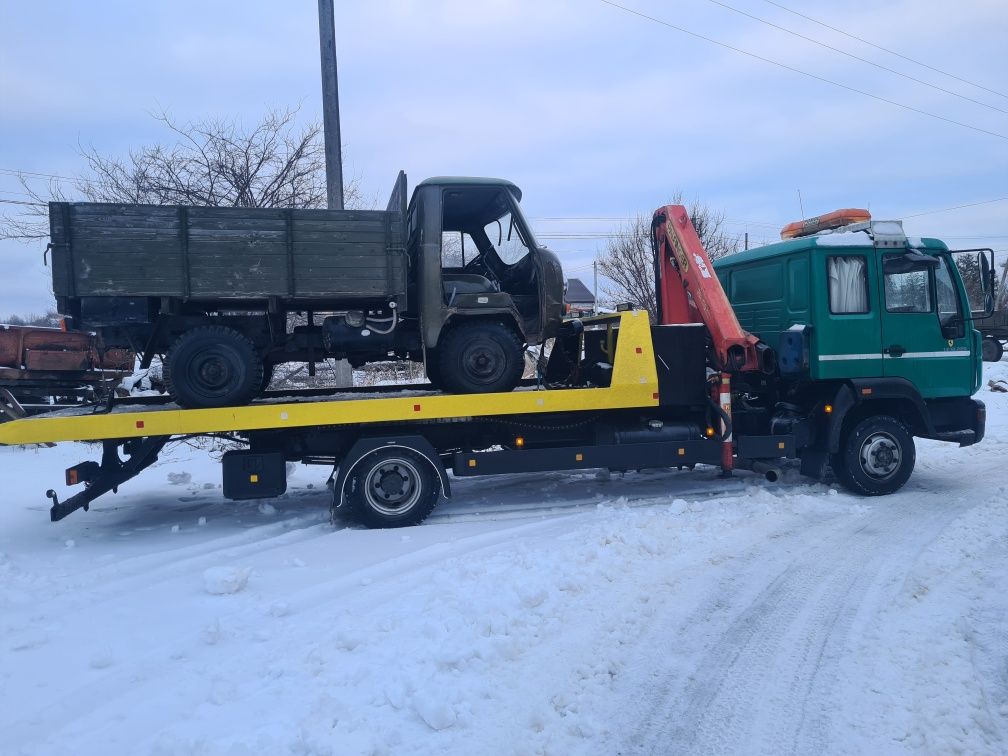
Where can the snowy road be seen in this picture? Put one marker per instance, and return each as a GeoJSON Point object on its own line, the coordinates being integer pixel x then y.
{"type": "Point", "coordinates": [564, 613]}
{"type": "Point", "coordinates": [784, 646]}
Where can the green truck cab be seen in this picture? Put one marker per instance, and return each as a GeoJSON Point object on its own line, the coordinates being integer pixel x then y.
{"type": "Point", "coordinates": [873, 330]}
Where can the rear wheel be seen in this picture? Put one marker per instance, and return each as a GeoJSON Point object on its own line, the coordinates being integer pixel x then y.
{"type": "Point", "coordinates": [393, 487]}
{"type": "Point", "coordinates": [991, 349]}
{"type": "Point", "coordinates": [876, 456]}
{"type": "Point", "coordinates": [213, 366]}
{"type": "Point", "coordinates": [480, 357]}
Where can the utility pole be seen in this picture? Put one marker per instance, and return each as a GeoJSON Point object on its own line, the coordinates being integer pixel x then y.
{"type": "Point", "coordinates": [330, 105]}
{"type": "Point", "coordinates": [747, 240]}
{"type": "Point", "coordinates": [595, 291]}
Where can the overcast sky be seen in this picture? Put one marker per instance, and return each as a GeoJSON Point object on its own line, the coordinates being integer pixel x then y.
{"type": "Point", "coordinates": [595, 112]}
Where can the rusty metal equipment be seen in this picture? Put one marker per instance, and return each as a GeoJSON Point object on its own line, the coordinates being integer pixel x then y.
{"type": "Point", "coordinates": [42, 366]}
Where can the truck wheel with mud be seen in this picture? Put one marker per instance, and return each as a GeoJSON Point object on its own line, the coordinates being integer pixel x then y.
{"type": "Point", "coordinates": [213, 366]}
{"type": "Point", "coordinates": [392, 487]}
{"type": "Point", "coordinates": [876, 456]}
{"type": "Point", "coordinates": [481, 357]}
{"type": "Point", "coordinates": [991, 349]}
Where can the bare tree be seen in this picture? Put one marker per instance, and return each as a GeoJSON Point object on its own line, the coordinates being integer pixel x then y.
{"type": "Point", "coordinates": [212, 162]}
{"type": "Point", "coordinates": [627, 263]}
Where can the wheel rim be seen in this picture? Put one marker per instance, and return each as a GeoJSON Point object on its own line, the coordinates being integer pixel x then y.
{"type": "Point", "coordinates": [213, 373]}
{"type": "Point", "coordinates": [880, 456]}
{"type": "Point", "coordinates": [392, 486]}
{"type": "Point", "coordinates": [484, 361]}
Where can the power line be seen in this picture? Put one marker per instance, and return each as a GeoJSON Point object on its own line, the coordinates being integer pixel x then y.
{"type": "Point", "coordinates": [855, 57]}
{"type": "Point", "coordinates": [982, 236]}
{"type": "Point", "coordinates": [21, 202]}
{"type": "Point", "coordinates": [805, 73]}
{"type": "Point", "coordinates": [16, 172]}
{"type": "Point", "coordinates": [886, 49]}
{"type": "Point", "coordinates": [602, 235]}
{"type": "Point", "coordinates": [629, 218]}
{"type": "Point", "coordinates": [558, 218]}
{"type": "Point", "coordinates": [11, 193]}
{"type": "Point", "coordinates": [956, 207]}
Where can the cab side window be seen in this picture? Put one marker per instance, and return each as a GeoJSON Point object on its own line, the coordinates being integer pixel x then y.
{"type": "Point", "coordinates": [848, 284]}
{"type": "Point", "coordinates": [457, 248]}
{"type": "Point", "coordinates": [907, 290]}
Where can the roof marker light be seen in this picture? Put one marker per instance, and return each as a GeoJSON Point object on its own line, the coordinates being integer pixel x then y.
{"type": "Point", "coordinates": [827, 222]}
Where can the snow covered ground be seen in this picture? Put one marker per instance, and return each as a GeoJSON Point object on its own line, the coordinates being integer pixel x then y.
{"type": "Point", "coordinates": [562, 613]}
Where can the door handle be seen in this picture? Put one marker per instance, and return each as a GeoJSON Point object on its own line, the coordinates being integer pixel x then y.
{"type": "Point", "coordinates": [895, 350]}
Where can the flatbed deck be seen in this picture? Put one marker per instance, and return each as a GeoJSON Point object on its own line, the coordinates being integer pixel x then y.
{"type": "Point", "coordinates": [616, 393]}
{"type": "Point", "coordinates": [634, 383]}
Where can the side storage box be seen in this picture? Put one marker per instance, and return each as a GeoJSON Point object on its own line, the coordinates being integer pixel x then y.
{"type": "Point", "coordinates": [248, 475]}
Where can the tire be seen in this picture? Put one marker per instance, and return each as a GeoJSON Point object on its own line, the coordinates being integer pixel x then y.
{"type": "Point", "coordinates": [213, 366]}
{"type": "Point", "coordinates": [479, 358]}
{"type": "Point", "coordinates": [991, 349]}
{"type": "Point", "coordinates": [876, 457]}
{"type": "Point", "coordinates": [393, 487]}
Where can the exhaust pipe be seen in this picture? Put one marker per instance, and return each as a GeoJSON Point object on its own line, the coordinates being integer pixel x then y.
{"type": "Point", "coordinates": [771, 472]}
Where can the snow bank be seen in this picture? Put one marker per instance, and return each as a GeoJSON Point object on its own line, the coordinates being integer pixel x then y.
{"type": "Point", "coordinates": [218, 581]}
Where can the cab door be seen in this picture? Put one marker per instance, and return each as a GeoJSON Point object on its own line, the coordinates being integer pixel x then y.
{"type": "Point", "coordinates": [915, 346]}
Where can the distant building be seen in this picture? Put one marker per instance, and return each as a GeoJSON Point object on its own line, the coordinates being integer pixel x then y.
{"type": "Point", "coordinates": [580, 299]}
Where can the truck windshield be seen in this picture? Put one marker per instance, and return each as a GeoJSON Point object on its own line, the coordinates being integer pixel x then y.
{"type": "Point", "coordinates": [489, 222]}
{"type": "Point", "coordinates": [508, 242]}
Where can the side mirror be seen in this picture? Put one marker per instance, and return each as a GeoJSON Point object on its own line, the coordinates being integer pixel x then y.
{"type": "Point", "coordinates": [976, 268]}
{"type": "Point", "coordinates": [987, 268]}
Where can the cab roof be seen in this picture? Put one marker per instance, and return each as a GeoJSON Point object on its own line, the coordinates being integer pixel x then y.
{"type": "Point", "coordinates": [835, 240]}
{"type": "Point", "coordinates": [472, 181]}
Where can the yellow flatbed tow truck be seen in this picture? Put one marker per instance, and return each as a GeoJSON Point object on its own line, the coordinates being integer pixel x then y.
{"type": "Point", "coordinates": [604, 399]}
{"type": "Point", "coordinates": [615, 392]}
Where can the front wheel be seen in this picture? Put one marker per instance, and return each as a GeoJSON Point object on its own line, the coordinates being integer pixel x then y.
{"type": "Point", "coordinates": [876, 457]}
{"type": "Point", "coordinates": [991, 349]}
{"type": "Point", "coordinates": [392, 487]}
{"type": "Point", "coordinates": [481, 357]}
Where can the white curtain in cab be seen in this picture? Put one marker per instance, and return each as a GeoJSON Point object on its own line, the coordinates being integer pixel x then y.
{"type": "Point", "coordinates": [848, 292]}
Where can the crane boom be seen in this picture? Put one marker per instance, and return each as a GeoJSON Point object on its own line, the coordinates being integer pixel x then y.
{"type": "Point", "coordinates": [688, 291]}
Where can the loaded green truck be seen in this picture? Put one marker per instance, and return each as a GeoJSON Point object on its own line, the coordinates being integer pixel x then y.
{"type": "Point", "coordinates": [454, 279]}
{"type": "Point", "coordinates": [877, 328]}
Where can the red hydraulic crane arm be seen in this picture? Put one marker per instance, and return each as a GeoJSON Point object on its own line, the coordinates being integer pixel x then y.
{"type": "Point", "coordinates": [688, 291]}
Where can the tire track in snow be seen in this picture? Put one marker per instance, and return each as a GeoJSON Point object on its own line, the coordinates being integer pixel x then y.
{"type": "Point", "coordinates": [107, 583]}
{"type": "Point", "coordinates": [368, 586]}
{"type": "Point", "coordinates": [763, 682]}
